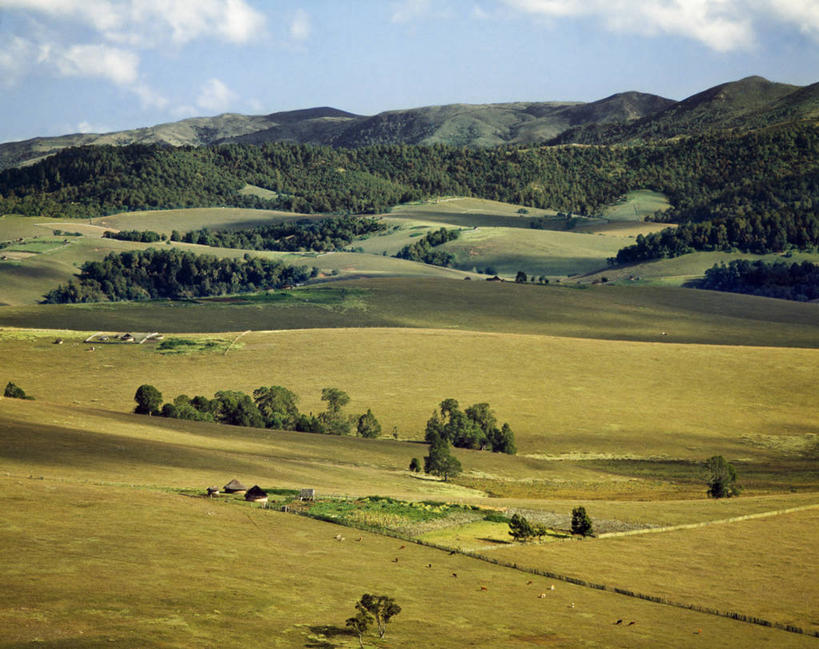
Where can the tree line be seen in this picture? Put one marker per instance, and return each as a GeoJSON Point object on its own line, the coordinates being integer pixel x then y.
{"type": "Point", "coordinates": [142, 236]}
{"type": "Point", "coordinates": [760, 233]}
{"type": "Point", "coordinates": [269, 407]}
{"type": "Point", "coordinates": [780, 280]}
{"type": "Point", "coordinates": [422, 250]}
{"type": "Point", "coordinates": [320, 235]}
{"type": "Point", "coordinates": [151, 274]}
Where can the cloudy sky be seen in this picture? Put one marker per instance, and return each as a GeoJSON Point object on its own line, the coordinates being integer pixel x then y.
{"type": "Point", "coordinates": [101, 65]}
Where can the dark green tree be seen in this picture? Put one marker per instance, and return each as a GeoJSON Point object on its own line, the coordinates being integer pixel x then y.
{"type": "Point", "coordinates": [277, 406]}
{"type": "Point", "coordinates": [520, 529]}
{"type": "Point", "coordinates": [148, 400]}
{"type": "Point", "coordinates": [503, 440]}
{"type": "Point", "coordinates": [440, 460]}
{"type": "Point", "coordinates": [520, 278]}
{"type": "Point", "coordinates": [14, 391]}
{"type": "Point", "coordinates": [333, 420]}
{"type": "Point", "coordinates": [415, 465]}
{"type": "Point", "coordinates": [359, 624]}
{"type": "Point", "coordinates": [236, 409]}
{"type": "Point", "coordinates": [721, 478]}
{"type": "Point", "coordinates": [368, 425]}
{"type": "Point", "coordinates": [381, 607]}
{"type": "Point", "coordinates": [581, 523]}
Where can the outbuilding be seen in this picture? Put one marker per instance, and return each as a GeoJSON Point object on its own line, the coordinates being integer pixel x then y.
{"type": "Point", "coordinates": [256, 495]}
{"type": "Point", "coordinates": [234, 487]}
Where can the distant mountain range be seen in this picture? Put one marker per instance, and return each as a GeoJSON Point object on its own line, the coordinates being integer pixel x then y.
{"type": "Point", "coordinates": [752, 102]}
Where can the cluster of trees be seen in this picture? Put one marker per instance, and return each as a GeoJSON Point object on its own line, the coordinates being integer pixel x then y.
{"type": "Point", "coordinates": [143, 236]}
{"type": "Point", "coordinates": [475, 428]}
{"type": "Point", "coordinates": [321, 235]}
{"type": "Point", "coordinates": [780, 279]}
{"type": "Point", "coordinates": [717, 175]}
{"type": "Point", "coordinates": [150, 274]}
{"type": "Point", "coordinates": [422, 250]}
{"type": "Point", "coordinates": [14, 391]}
{"type": "Point", "coordinates": [521, 529]}
{"type": "Point", "coordinates": [760, 233]}
{"type": "Point", "coordinates": [270, 407]}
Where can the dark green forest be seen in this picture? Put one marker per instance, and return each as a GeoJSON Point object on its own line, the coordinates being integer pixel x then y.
{"type": "Point", "coordinates": [780, 280]}
{"type": "Point", "coordinates": [319, 235]}
{"type": "Point", "coordinates": [760, 175]}
{"type": "Point", "coordinates": [150, 274]}
{"type": "Point", "coordinates": [423, 249]}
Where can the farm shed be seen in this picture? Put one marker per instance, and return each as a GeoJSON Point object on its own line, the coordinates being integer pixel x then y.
{"type": "Point", "coordinates": [307, 494]}
{"type": "Point", "coordinates": [234, 487]}
{"type": "Point", "coordinates": [256, 495]}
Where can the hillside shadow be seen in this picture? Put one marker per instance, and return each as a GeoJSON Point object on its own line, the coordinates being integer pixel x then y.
{"type": "Point", "coordinates": [325, 631]}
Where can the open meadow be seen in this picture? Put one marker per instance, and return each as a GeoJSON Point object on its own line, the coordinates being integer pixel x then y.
{"type": "Point", "coordinates": [616, 394]}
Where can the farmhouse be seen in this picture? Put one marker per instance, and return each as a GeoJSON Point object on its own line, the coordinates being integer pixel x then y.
{"type": "Point", "coordinates": [234, 487]}
{"type": "Point", "coordinates": [256, 495]}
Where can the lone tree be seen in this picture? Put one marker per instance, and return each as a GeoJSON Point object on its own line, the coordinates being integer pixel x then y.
{"type": "Point", "coordinates": [368, 425]}
{"type": "Point", "coordinates": [581, 523]}
{"type": "Point", "coordinates": [14, 391]}
{"type": "Point", "coordinates": [359, 624]}
{"type": "Point", "coordinates": [148, 400]}
{"type": "Point", "coordinates": [520, 278]}
{"type": "Point", "coordinates": [381, 608]}
{"type": "Point", "coordinates": [440, 460]}
{"type": "Point", "coordinates": [415, 465]}
{"type": "Point", "coordinates": [721, 478]}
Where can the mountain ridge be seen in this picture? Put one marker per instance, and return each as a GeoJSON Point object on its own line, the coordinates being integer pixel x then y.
{"type": "Point", "coordinates": [624, 117]}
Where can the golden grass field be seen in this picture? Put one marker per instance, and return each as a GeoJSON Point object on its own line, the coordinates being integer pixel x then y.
{"type": "Point", "coordinates": [616, 395]}
{"type": "Point", "coordinates": [556, 393]}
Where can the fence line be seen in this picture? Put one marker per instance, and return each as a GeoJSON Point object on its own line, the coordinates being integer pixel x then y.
{"type": "Point", "coordinates": [734, 615]}
{"type": "Point", "coordinates": [690, 526]}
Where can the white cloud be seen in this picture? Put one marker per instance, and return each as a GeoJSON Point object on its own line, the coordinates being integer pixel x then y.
{"type": "Point", "coordinates": [722, 25]}
{"type": "Point", "coordinates": [151, 23]}
{"type": "Point", "coordinates": [101, 61]}
{"type": "Point", "coordinates": [215, 96]}
{"type": "Point", "coordinates": [88, 127]}
{"type": "Point", "coordinates": [300, 26]}
{"type": "Point", "coordinates": [15, 59]}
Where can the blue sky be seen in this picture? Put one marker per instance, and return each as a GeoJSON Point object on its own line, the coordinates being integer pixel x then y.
{"type": "Point", "coordinates": [102, 65]}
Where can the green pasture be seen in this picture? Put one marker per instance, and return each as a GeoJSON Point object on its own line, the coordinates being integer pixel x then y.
{"type": "Point", "coordinates": [640, 313]}
{"type": "Point", "coordinates": [636, 205]}
{"type": "Point", "coordinates": [474, 212]}
{"type": "Point", "coordinates": [215, 218]}
{"type": "Point", "coordinates": [564, 398]}
{"type": "Point", "coordinates": [536, 252]}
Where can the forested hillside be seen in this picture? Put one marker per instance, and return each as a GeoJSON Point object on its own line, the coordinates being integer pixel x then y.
{"type": "Point", "coordinates": [766, 178]}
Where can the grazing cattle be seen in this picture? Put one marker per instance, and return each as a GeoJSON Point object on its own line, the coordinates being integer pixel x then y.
{"type": "Point", "coordinates": [630, 623]}
{"type": "Point", "coordinates": [619, 622]}
{"type": "Point", "coordinates": [542, 596]}
{"type": "Point", "coordinates": [358, 539]}
{"type": "Point", "coordinates": [529, 583]}
{"type": "Point", "coordinates": [454, 574]}
{"type": "Point", "coordinates": [429, 565]}
{"type": "Point", "coordinates": [484, 588]}
{"type": "Point", "coordinates": [402, 547]}
{"type": "Point", "coordinates": [552, 587]}
{"type": "Point", "coordinates": [395, 560]}
{"type": "Point", "coordinates": [571, 605]}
